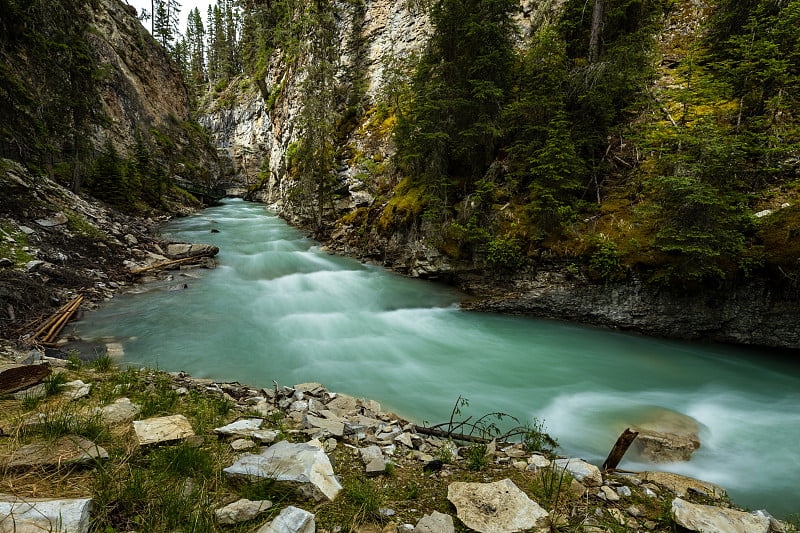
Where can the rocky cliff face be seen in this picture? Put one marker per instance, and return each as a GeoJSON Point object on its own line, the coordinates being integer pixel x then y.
{"type": "Point", "coordinates": [80, 74]}
{"type": "Point", "coordinates": [255, 126]}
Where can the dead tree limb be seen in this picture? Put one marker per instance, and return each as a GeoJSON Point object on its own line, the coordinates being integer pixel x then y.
{"type": "Point", "coordinates": [618, 451]}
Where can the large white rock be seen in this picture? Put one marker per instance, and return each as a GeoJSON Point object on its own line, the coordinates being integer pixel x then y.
{"type": "Point", "coordinates": [436, 522]}
{"type": "Point", "coordinates": [291, 520]}
{"type": "Point", "coordinates": [305, 468]}
{"type": "Point", "coordinates": [667, 436]}
{"type": "Point", "coordinates": [241, 510]}
{"type": "Point", "coordinates": [586, 473]}
{"type": "Point", "coordinates": [77, 389]}
{"type": "Point", "coordinates": [162, 429]}
{"type": "Point", "coordinates": [710, 519]}
{"type": "Point", "coordinates": [497, 507]}
{"type": "Point", "coordinates": [39, 515]}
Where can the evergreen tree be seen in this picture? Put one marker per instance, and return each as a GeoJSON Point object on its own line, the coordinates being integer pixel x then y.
{"type": "Point", "coordinates": [452, 131]}
{"type": "Point", "coordinates": [195, 38]}
{"type": "Point", "coordinates": [316, 149]}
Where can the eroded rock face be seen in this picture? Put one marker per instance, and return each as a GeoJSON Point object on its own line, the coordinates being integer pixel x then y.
{"type": "Point", "coordinates": [711, 519]}
{"type": "Point", "coordinates": [303, 467]}
{"type": "Point", "coordinates": [497, 507]}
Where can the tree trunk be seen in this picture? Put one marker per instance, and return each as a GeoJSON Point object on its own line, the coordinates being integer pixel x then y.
{"type": "Point", "coordinates": [597, 25]}
{"type": "Point", "coordinates": [618, 451]}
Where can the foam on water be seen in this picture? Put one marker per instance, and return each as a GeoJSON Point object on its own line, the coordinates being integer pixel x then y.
{"type": "Point", "coordinates": [278, 308]}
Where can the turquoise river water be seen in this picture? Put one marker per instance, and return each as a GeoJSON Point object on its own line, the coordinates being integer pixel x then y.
{"type": "Point", "coordinates": [277, 308]}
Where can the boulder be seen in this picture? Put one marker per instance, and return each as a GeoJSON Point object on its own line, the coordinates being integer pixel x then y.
{"type": "Point", "coordinates": [667, 437]}
{"type": "Point", "coordinates": [497, 507]}
{"type": "Point", "coordinates": [682, 485]}
{"type": "Point", "coordinates": [711, 519]}
{"type": "Point", "coordinates": [56, 220]}
{"type": "Point", "coordinates": [67, 450]}
{"type": "Point", "coordinates": [436, 522]}
{"type": "Point", "coordinates": [39, 515]}
{"type": "Point", "coordinates": [588, 474]}
{"type": "Point", "coordinates": [291, 520]}
{"type": "Point", "coordinates": [248, 427]}
{"type": "Point", "coordinates": [302, 467]}
{"type": "Point", "coordinates": [241, 511]}
{"type": "Point", "coordinates": [162, 429]}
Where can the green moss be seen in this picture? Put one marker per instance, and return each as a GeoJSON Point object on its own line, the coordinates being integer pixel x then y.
{"type": "Point", "coordinates": [406, 206]}
{"type": "Point", "coordinates": [13, 250]}
{"type": "Point", "coordinates": [80, 226]}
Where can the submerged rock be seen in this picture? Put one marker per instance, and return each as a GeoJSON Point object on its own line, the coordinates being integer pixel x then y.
{"type": "Point", "coordinates": [667, 438]}
{"type": "Point", "coordinates": [497, 507]}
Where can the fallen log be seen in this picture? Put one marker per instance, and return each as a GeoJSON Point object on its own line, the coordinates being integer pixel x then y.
{"type": "Point", "coordinates": [164, 264]}
{"type": "Point", "coordinates": [450, 435]}
{"type": "Point", "coordinates": [618, 451]}
{"type": "Point", "coordinates": [51, 328]}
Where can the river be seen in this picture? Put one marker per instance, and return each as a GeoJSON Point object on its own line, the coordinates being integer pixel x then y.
{"type": "Point", "coordinates": [278, 308]}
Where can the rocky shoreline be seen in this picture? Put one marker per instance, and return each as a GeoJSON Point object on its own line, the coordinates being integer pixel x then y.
{"type": "Point", "coordinates": [55, 244]}
{"type": "Point", "coordinates": [313, 446]}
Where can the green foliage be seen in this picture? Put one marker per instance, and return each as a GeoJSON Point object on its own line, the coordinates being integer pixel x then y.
{"type": "Point", "coordinates": [505, 252]}
{"type": "Point", "coordinates": [605, 262]}
{"type": "Point", "coordinates": [364, 494]}
{"type": "Point", "coordinates": [536, 439]}
{"type": "Point", "coordinates": [451, 132]}
{"type": "Point", "coordinates": [476, 457]}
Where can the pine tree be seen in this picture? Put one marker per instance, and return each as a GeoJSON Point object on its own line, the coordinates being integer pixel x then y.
{"type": "Point", "coordinates": [195, 37]}
{"type": "Point", "coordinates": [452, 132]}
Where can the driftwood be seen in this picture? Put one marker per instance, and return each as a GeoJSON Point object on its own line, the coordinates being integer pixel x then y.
{"type": "Point", "coordinates": [165, 264]}
{"type": "Point", "coordinates": [48, 332]}
{"type": "Point", "coordinates": [618, 451]}
{"type": "Point", "coordinates": [450, 435]}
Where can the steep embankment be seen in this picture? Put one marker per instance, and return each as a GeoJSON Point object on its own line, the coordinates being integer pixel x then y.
{"type": "Point", "coordinates": [674, 216]}
{"type": "Point", "coordinates": [95, 109]}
